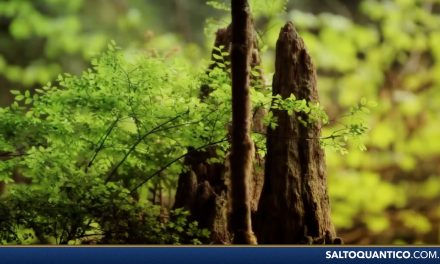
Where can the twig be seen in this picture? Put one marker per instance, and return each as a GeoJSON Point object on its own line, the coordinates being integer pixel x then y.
{"type": "Point", "coordinates": [173, 161]}
{"type": "Point", "coordinates": [133, 147]}
{"type": "Point", "coordinates": [11, 155]}
{"type": "Point", "coordinates": [102, 141]}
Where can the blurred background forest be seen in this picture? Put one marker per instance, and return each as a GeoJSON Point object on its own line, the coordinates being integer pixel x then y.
{"type": "Point", "coordinates": [387, 52]}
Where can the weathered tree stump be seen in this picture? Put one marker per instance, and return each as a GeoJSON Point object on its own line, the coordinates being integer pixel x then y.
{"type": "Point", "coordinates": [294, 206]}
{"type": "Point", "coordinates": [203, 191]}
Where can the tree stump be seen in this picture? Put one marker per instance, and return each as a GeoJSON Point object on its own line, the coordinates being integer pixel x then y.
{"type": "Point", "coordinates": [294, 206]}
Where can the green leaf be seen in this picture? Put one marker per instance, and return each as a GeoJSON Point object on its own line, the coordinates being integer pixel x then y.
{"type": "Point", "coordinates": [217, 57]}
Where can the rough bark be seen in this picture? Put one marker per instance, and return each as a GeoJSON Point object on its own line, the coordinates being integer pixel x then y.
{"type": "Point", "coordinates": [294, 205]}
{"type": "Point", "coordinates": [203, 191]}
{"type": "Point", "coordinates": [242, 146]}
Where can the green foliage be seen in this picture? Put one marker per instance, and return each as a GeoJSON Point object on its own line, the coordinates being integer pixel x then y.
{"type": "Point", "coordinates": [362, 197]}
{"type": "Point", "coordinates": [259, 7]}
{"type": "Point", "coordinates": [350, 129]}
{"type": "Point", "coordinates": [268, 16]}
{"type": "Point", "coordinates": [57, 35]}
{"type": "Point", "coordinates": [89, 143]}
{"type": "Point", "coordinates": [43, 38]}
{"type": "Point", "coordinates": [220, 5]}
{"type": "Point", "coordinates": [90, 212]}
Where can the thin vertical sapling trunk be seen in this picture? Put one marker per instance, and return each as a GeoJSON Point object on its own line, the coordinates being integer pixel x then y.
{"type": "Point", "coordinates": [242, 146]}
{"type": "Point", "coordinates": [205, 189]}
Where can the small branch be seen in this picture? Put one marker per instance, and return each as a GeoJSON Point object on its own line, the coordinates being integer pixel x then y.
{"type": "Point", "coordinates": [334, 134]}
{"type": "Point", "coordinates": [175, 160]}
{"type": "Point", "coordinates": [213, 126]}
{"type": "Point", "coordinates": [11, 154]}
{"type": "Point", "coordinates": [133, 147]}
{"type": "Point", "coordinates": [90, 235]}
{"type": "Point", "coordinates": [131, 88]}
{"type": "Point", "coordinates": [83, 233]}
{"type": "Point", "coordinates": [102, 141]}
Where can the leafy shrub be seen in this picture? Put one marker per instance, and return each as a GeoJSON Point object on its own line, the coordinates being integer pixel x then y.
{"type": "Point", "coordinates": [89, 143]}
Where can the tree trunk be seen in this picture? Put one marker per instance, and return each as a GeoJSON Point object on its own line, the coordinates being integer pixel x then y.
{"type": "Point", "coordinates": [204, 191]}
{"type": "Point", "coordinates": [224, 39]}
{"type": "Point", "coordinates": [242, 146]}
{"type": "Point", "coordinates": [294, 206]}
